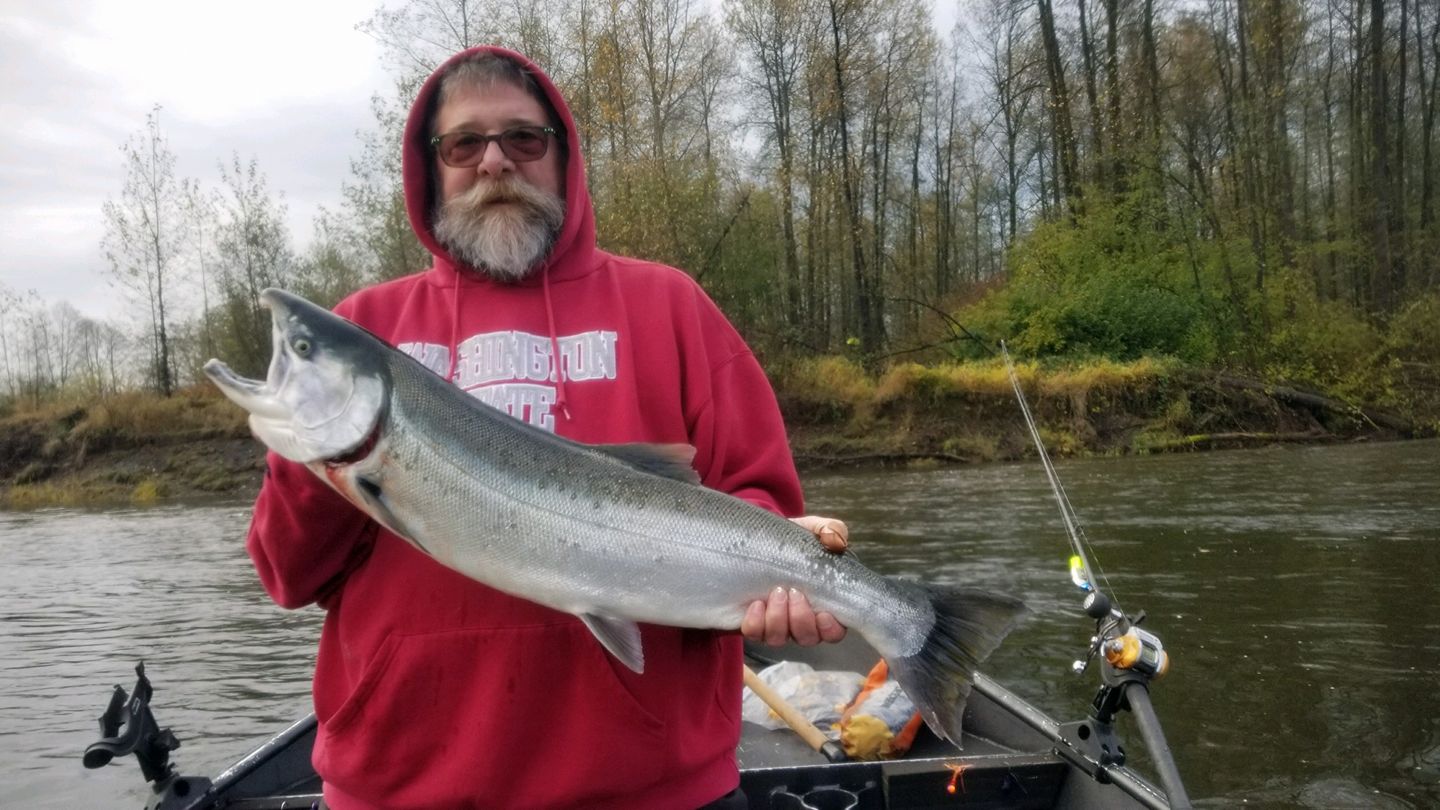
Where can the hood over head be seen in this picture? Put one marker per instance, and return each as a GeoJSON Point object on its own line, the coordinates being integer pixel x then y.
{"type": "Point", "coordinates": [576, 242]}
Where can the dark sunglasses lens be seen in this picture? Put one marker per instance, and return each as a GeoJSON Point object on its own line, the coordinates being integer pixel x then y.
{"type": "Point", "coordinates": [524, 143]}
{"type": "Point", "coordinates": [461, 149]}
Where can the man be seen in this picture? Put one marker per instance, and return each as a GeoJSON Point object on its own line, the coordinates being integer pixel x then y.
{"type": "Point", "coordinates": [434, 691]}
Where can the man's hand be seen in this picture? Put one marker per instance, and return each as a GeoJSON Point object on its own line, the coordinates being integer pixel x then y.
{"type": "Point", "coordinates": [787, 614]}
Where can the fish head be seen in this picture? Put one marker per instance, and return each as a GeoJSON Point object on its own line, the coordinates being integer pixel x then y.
{"type": "Point", "coordinates": [326, 388]}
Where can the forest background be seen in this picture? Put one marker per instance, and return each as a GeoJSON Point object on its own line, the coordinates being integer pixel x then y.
{"type": "Point", "coordinates": [1189, 218]}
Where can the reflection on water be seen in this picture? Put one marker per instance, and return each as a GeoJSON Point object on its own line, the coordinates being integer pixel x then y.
{"type": "Point", "coordinates": [1294, 589]}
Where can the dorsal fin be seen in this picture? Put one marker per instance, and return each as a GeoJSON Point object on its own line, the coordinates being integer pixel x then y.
{"type": "Point", "coordinates": [665, 460]}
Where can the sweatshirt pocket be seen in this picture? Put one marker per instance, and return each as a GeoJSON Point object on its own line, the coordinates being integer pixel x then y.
{"type": "Point", "coordinates": [531, 716]}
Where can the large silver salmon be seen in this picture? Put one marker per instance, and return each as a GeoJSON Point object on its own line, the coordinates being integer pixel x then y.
{"type": "Point", "coordinates": [612, 534]}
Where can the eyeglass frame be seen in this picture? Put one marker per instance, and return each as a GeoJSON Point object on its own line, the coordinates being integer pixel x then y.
{"type": "Point", "coordinates": [486, 140]}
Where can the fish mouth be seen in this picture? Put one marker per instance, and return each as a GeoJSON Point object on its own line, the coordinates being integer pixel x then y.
{"type": "Point", "coordinates": [259, 397]}
{"type": "Point", "coordinates": [225, 377]}
{"type": "Point", "coordinates": [255, 396]}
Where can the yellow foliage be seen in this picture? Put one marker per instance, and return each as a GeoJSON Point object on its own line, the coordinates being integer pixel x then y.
{"type": "Point", "coordinates": [41, 496]}
{"type": "Point", "coordinates": [914, 380]}
{"type": "Point", "coordinates": [1103, 375]}
{"type": "Point", "coordinates": [839, 381]}
{"type": "Point", "coordinates": [147, 491]}
{"type": "Point", "coordinates": [830, 379]}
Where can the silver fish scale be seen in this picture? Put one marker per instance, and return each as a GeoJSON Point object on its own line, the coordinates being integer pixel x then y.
{"type": "Point", "coordinates": [575, 529]}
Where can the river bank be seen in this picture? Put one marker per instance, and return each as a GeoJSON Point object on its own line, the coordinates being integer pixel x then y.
{"type": "Point", "coordinates": [968, 413]}
{"type": "Point", "coordinates": [139, 448]}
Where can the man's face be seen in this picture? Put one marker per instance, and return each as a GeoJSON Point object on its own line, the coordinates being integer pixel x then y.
{"type": "Point", "coordinates": [500, 216]}
{"type": "Point", "coordinates": [489, 110]}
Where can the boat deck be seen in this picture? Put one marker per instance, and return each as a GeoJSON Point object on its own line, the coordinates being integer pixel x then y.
{"type": "Point", "coordinates": [1009, 760]}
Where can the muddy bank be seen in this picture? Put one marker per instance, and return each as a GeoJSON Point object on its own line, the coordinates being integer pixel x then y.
{"type": "Point", "coordinates": [130, 448]}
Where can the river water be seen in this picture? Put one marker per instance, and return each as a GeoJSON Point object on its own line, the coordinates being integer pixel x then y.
{"type": "Point", "coordinates": [1295, 589]}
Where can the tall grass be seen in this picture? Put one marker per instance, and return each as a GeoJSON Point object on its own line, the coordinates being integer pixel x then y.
{"type": "Point", "coordinates": [843, 388]}
{"type": "Point", "coordinates": [132, 416]}
{"type": "Point", "coordinates": [827, 387]}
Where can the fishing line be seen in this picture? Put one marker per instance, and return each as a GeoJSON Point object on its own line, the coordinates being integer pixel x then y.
{"type": "Point", "coordinates": [1082, 573]}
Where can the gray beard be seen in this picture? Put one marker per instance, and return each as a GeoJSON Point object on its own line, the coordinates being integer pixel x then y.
{"type": "Point", "coordinates": [500, 228]}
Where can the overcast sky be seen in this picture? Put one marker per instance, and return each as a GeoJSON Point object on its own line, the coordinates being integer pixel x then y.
{"type": "Point", "coordinates": [287, 82]}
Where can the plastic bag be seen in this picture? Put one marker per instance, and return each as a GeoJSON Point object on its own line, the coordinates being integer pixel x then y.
{"type": "Point", "coordinates": [819, 695]}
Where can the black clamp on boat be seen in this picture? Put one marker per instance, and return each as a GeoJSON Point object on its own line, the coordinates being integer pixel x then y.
{"type": "Point", "coordinates": [128, 727]}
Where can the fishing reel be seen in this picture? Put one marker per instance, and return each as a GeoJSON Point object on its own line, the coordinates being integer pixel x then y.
{"type": "Point", "coordinates": [1121, 641]}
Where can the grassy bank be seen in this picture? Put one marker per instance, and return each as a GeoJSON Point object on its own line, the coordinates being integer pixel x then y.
{"type": "Point", "coordinates": [967, 412]}
{"type": "Point", "coordinates": [128, 448]}
{"type": "Point", "coordinates": [138, 448]}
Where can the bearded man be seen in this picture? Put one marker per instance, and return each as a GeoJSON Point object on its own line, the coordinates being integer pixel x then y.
{"type": "Point", "coordinates": [432, 690]}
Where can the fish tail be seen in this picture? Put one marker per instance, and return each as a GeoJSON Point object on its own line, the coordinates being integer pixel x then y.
{"type": "Point", "coordinates": [969, 625]}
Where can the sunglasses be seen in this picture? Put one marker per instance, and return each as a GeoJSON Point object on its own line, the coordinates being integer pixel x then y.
{"type": "Point", "coordinates": [461, 150]}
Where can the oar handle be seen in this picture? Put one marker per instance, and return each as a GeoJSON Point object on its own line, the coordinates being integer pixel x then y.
{"type": "Point", "coordinates": [812, 736]}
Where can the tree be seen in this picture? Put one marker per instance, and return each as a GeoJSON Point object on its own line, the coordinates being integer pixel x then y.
{"type": "Point", "coordinates": [253, 244]}
{"type": "Point", "coordinates": [99, 349]}
{"type": "Point", "coordinates": [1009, 66]}
{"type": "Point", "coordinates": [200, 215]}
{"type": "Point", "coordinates": [330, 268]}
{"type": "Point", "coordinates": [1067, 172]}
{"type": "Point", "coordinates": [417, 36]}
{"type": "Point", "coordinates": [373, 214]}
{"type": "Point", "coordinates": [774, 35]}
{"type": "Point", "coordinates": [143, 233]}
{"type": "Point", "coordinates": [869, 318]}
{"type": "Point", "coordinates": [9, 315]}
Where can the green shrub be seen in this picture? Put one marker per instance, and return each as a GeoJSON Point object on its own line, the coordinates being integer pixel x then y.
{"type": "Point", "coordinates": [1111, 284]}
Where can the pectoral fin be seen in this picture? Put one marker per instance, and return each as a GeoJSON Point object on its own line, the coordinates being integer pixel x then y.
{"type": "Point", "coordinates": [378, 506]}
{"type": "Point", "coordinates": [620, 636]}
{"type": "Point", "coordinates": [370, 497]}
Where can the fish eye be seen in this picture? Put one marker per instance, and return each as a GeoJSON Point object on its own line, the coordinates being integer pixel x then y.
{"type": "Point", "coordinates": [301, 346]}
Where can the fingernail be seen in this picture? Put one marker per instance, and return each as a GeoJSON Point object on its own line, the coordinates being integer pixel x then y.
{"type": "Point", "coordinates": [794, 595]}
{"type": "Point", "coordinates": [778, 593]}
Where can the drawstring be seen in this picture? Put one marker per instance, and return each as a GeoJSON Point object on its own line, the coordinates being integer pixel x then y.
{"type": "Point", "coordinates": [450, 375]}
{"type": "Point", "coordinates": [560, 402]}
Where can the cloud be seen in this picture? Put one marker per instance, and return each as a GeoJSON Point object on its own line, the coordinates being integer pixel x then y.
{"type": "Point", "coordinates": [286, 83]}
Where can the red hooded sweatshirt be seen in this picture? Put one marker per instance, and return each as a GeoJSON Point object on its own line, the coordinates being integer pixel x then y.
{"type": "Point", "coordinates": [434, 691]}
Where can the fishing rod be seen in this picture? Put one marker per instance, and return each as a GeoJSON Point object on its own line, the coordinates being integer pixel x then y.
{"type": "Point", "coordinates": [1131, 658]}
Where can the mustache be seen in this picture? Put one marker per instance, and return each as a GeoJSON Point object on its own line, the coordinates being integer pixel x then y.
{"type": "Point", "coordinates": [489, 192]}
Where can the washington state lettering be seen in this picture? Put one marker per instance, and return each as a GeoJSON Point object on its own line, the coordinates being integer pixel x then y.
{"type": "Point", "coordinates": [515, 371]}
